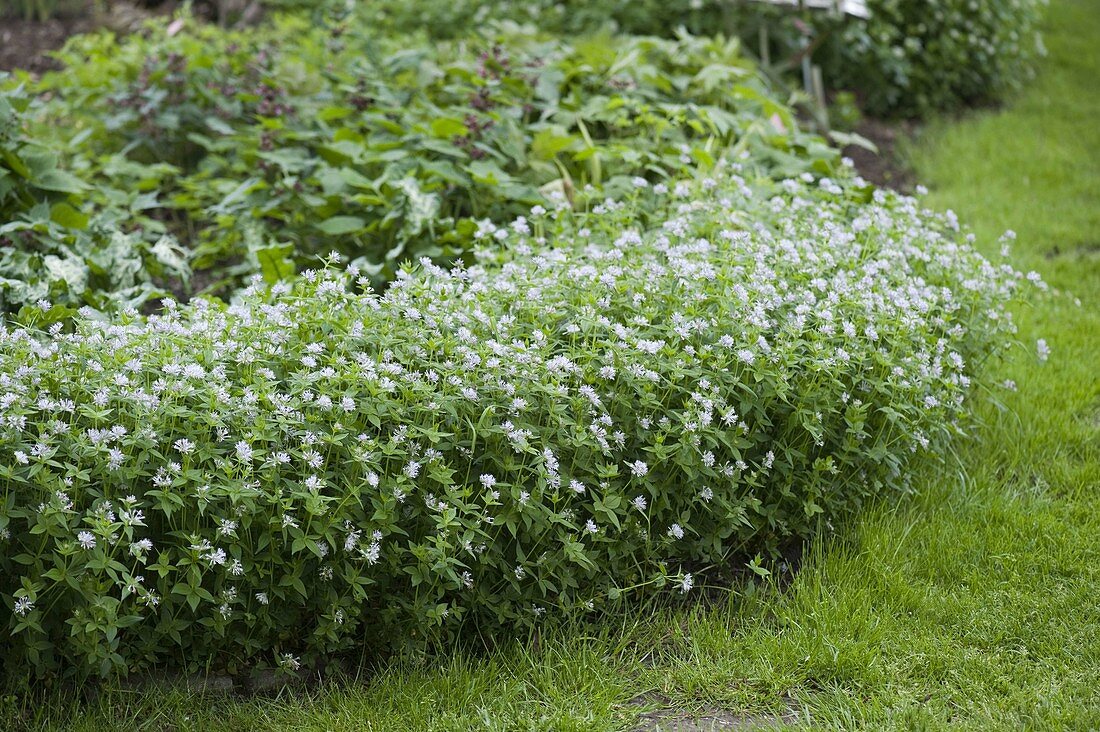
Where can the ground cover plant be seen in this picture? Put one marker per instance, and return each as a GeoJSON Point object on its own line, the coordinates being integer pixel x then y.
{"type": "Point", "coordinates": [960, 594]}
{"type": "Point", "coordinates": [630, 397]}
{"type": "Point", "coordinates": [256, 151]}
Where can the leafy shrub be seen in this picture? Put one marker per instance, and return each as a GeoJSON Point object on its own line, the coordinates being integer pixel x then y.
{"type": "Point", "coordinates": [259, 148]}
{"type": "Point", "coordinates": [51, 247]}
{"type": "Point", "coordinates": [609, 404]}
{"type": "Point", "coordinates": [914, 56]}
{"type": "Point", "coordinates": [911, 57]}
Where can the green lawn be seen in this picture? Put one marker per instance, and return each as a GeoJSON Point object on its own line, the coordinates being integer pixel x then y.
{"type": "Point", "coordinates": [974, 604]}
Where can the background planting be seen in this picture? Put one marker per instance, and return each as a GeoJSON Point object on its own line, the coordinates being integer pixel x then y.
{"type": "Point", "coordinates": [253, 152]}
{"type": "Point", "coordinates": [52, 246]}
{"type": "Point", "coordinates": [911, 57]}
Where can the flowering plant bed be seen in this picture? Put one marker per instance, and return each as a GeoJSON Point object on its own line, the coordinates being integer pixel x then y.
{"type": "Point", "coordinates": [606, 406]}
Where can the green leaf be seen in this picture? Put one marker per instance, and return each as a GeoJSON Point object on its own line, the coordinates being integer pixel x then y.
{"type": "Point", "coordinates": [67, 216]}
{"type": "Point", "coordinates": [448, 127]}
{"type": "Point", "coordinates": [276, 262]}
{"type": "Point", "coordinates": [549, 142]}
{"type": "Point", "coordinates": [341, 225]}
{"type": "Point", "coordinates": [484, 171]}
{"type": "Point", "coordinates": [172, 256]}
{"type": "Point", "coordinates": [59, 181]}
{"type": "Point", "coordinates": [851, 138]}
{"type": "Point", "coordinates": [70, 270]}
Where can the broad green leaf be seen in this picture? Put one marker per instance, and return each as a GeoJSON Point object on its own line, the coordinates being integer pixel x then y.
{"type": "Point", "coordinates": [276, 262]}
{"type": "Point", "coordinates": [59, 181]}
{"type": "Point", "coordinates": [67, 216]}
{"type": "Point", "coordinates": [448, 127]}
{"type": "Point", "coordinates": [341, 225]}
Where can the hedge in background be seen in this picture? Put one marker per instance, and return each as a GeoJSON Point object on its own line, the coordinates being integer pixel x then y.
{"type": "Point", "coordinates": [617, 402]}
{"type": "Point", "coordinates": [914, 57]}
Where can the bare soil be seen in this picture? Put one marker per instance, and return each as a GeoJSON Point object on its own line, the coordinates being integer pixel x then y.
{"type": "Point", "coordinates": [886, 168]}
{"type": "Point", "coordinates": [26, 44]}
{"type": "Point", "coordinates": [707, 719]}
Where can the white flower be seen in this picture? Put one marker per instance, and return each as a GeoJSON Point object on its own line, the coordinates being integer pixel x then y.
{"type": "Point", "coordinates": [184, 445]}
{"type": "Point", "coordinates": [226, 527]}
{"type": "Point", "coordinates": [216, 558]}
{"type": "Point", "coordinates": [1042, 350]}
{"type": "Point", "coordinates": [638, 468]}
{"type": "Point", "coordinates": [373, 551]}
{"type": "Point", "coordinates": [676, 531]}
{"type": "Point", "coordinates": [244, 451]}
{"type": "Point", "coordinates": [288, 662]}
{"type": "Point", "coordinates": [686, 583]}
{"type": "Point", "coordinates": [640, 503]}
{"type": "Point", "coordinates": [141, 546]}
{"type": "Point", "coordinates": [86, 539]}
{"type": "Point", "coordinates": [488, 481]}
{"type": "Point", "coordinates": [23, 605]}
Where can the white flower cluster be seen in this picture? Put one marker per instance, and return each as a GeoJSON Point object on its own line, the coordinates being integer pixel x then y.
{"type": "Point", "coordinates": [478, 442]}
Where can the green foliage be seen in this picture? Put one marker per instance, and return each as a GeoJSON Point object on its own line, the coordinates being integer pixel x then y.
{"type": "Point", "coordinates": [565, 17]}
{"type": "Point", "coordinates": [911, 57]}
{"type": "Point", "coordinates": [914, 57]}
{"type": "Point", "coordinates": [52, 245]}
{"type": "Point", "coordinates": [261, 149]}
{"type": "Point", "coordinates": [611, 403]}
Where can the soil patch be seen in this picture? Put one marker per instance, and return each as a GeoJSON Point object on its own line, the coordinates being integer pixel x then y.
{"type": "Point", "coordinates": [1080, 251]}
{"type": "Point", "coordinates": [706, 719]}
{"type": "Point", "coordinates": [25, 44]}
{"type": "Point", "coordinates": [886, 167]}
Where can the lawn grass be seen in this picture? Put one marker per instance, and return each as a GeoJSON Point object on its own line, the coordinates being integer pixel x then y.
{"type": "Point", "coordinates": [975, 603]}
